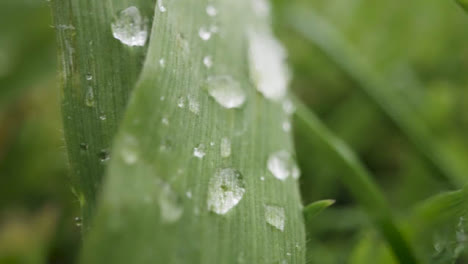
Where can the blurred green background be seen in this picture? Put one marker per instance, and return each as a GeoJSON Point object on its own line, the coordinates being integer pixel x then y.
{"type": "Point", "coordinates": [419, 47]}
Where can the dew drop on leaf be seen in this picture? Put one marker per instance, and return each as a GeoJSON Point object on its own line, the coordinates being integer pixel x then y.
{"type": "Point", "coordinates": [225, 147]}
{"type": "Point", "coordinates": [89, 99]}
{"type": "Point", "coordinates": [129, 150]}
{"type": "Point", "coordinates": [162, 62]}
{"type": "Point", "coordinates": [199, 151]}
{"type": "Point", "coordinates": [211, 10]}
{"type": "Point", "coordinates": [161, 6]}
{"type": "Point", "coordinates": [286, 126]}
{"type": "Point", "coordinates": [225, 190]}
{"type": "Point", "coordinates": [181, 102]}
{"type": "Point", "coordinates": [130, 28]}
{"type": "Point", "coordinates": [282, 165]}
{"type": "Point", "coordinates": [275, 216]}
{"type": "Point", "coordinates": [170, 204]}
{"type": "Point", "coordinates": [89, 77]}
{"type": "Point", "coordinates": [78, 221]}
{"type": "Point", "coordinates": [208, 61]}
{"type": "Point", "coordinates": [204, 33]}
{"type": "Point", "coordinates": [193, 104]}
{"type": "Point", "coordinates": [226, 91]}
{"type": "Point", "coordinates": [104, 155]}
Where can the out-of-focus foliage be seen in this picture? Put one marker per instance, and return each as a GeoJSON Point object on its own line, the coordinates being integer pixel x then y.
{"type": "Point", "coordinates": [419, 47]}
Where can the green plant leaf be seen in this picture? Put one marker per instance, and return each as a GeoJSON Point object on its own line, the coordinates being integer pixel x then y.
{"type": "Point", "coordinates": [315, 208]}
{"type": "Point", "coordinates": [97, 74]}
{"type": "Point", "coordinates": [357, 180]}
{"type": "Point", "coordinates": [333, 44]}
{"type": "Point", "coordinates": [172, 192]}
{"type": "Point", "coordinates": [463, 4]}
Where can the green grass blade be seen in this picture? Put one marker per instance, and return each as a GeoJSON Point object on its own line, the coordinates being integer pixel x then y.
{"type": "Point", "coordinates": [359, 182]}
{"type": "Point", "coordinates": [315, 208]}
{"type": "Point", "coordinates": [97, 74]}
{"type": "Point", "coordinates": [154, 206]}
{"type": "Point", "coordinates": [332, 43]}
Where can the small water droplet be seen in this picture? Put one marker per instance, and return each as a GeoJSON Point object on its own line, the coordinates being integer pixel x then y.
{"type": "Point", "coordinates": [226, 91]}
{"type": "Point", "coordinates": [89, 100]}
{"type": "Point", "coordinates": [288, 107]}
{"type": "Point", "coordinates": [189, 194]}
{"type": "Point", "coordinates": [199, 151]}
{"type": "Point", "coordinates": [214, 29]}
{"type": "Point", "coordinates": [212, 143]}
{"type": "Point", "coordinates": [162, 98]}
{"type": "Point", "coordinates": [225, 147]}
{"type": "Point", "coordinates": [165, 121]}
{"type": "Point", "coordinates": [104, 155]}
{"type": "Point", "coordinates": [130, 28]}
{"type": "Point", "coordinates": [181, 102]}
{"type": "Point", "coordinates": [207, 61]}
{"type": "Point", "coordinates": [288, 254]}
{"type": "Point", "coordinates": [282, 165]}
{"type": "Point", "coordinates": [78, 221]}
{"type": "Point", "coordinates": [169, 204]}
{"type": "Point", "coordinates": [161, 6]}
{"type": "Point", "coordinates": [103, 117]}
{"type": "Point", "coordinates": [162, 62]}
{"type": "Point", "coordinates": [225, 190]}
{"type": "Point", "coordinates": [267, 66]}
{"type": "Point", "coordinates": [166, 145]}
{"type": "Point", "coordinates": [211, 10]}
{"type": "Point", "coordinates": [193, 104]}
{"type": "Point", "coordinates": [83, 146]}
{"type": "Point", "coordinates": [262, 178]}
{"type": "Point", "coordinates": [275, 216]}
{"type": "Point", "coordinates": [204, 33]}
{"type": "Point", "coordinates": [286, 126]}
{"type": "Point", "coordinates": [129, 152]}
{"type": "Point", "coordinates": [89, 77]}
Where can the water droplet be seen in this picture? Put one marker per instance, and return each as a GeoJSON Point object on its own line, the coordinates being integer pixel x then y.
{"type": "Point", "coordinates": [204, 33]}
{"type": "Point", "coordinates": [104, 155]}
{"type": "Point", "coordinates": [189, 194]}
{"type": "Point", "coordinates": [214, 29]}
{"type": "Point", "coordinates": [129, 152]}
{"type": "Point", "coordinates": [288, 254]}
{"type": "Point", "coordinates": [193, 105]}
{"type": "Point", "coordinates": [89, 100]}
{"type": "Point", "coordinates": [226, 91]}
{"type": "Point", "coordinates": [282, 165]}
{"type": "Point", "coordinates": [225, 190]}
{"type": "Point", "coordinates": [103, 117]}
{"type": "Point", "coordinates": [212, 143]}
{"type": "Point", "coordinates": [162, 62]}
{"type": "Point", "coordinates": [169, 204]}
{"type": "Point", "coordinates": [262, 178]}
{"type": "Point", "coordinates": [288, 107]}
{"type": "Point", "coordinates": [130, 28]}
{"type": "Point", "coordinates": [166, 145]}
{"type": "Point", "coordinates": [207, 61]}
{"type": "Point", "coordinates": [199, 151]}
{"type": "Point", "coordinates": [161, 6]}
{"type": "Point", "coordinates": [181, 102]}
{"type": "Point", "coordinates": [225, 147]}
{"type": "Point", "coordinates": [165, 121]}
{"type": "Point", "coordinates": [162, 98]}
{"type": "Point", "coordinates": [83, 146]}
{"type": "Point", "coordinates": [78, 221]}
{"type": "Point", "coordinates": [211, 10]}
{"type": "Point", "coordinates": [89, 77]}
{"type": "Point", "coordinates": [275, 216]}
{"type": "Point", "coordinates": [267, 65]}
{"type": "Point", "coordinates": [286, 126]}
{"type": "Point", "coordinates": [261, 7]}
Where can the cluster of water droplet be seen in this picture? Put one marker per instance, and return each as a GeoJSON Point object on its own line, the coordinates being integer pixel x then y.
{"type": "Point", "coordinates": [130, 27]}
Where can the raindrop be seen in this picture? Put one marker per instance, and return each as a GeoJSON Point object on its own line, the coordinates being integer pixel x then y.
{"type": "Point", "coordinates": [282, 165]}
{"type": "Point", "coordinates": [104, 155]}
{"type": "Point", "coordinates": [89, 100]}
{"type": "Point", "coordinates": [89, 77]}
{"type": "Point", "coordinates": [212, 143]}
{"type": "Point", "coordinates": [84, 146]}
{"type": "Point", "coordinates": [129, 151]}
{"type": "Point", "coordinates": [275, 216]}
{"type": "Point", "coordinates": [225, 190]}
{"type": "Point", "coordinates": [208, 61]}
{"type": "Point", "coordinates": [286, 126]}
{"type": "Point", "coordinates": [189, 194]}
{"type": "Point", "coordinates": [193, 105]}
{"type": "Point", "coordinates": [161, 6]}
{"type": "Point", "coordinates": [162, 62]}
{"type": "Point", "coordinates": [130, 28]}
{"type": "Point", "coordinates": [78, 221]}
{"type": "Point", "coordinates": [226, 91]}
{"type": "Point", "coordinates": [169, 204]}
{"type": "Point", "coordinates": [225, 147]}
{"type": "Point", "coordinates": [262, 178]}
{"type": "Point", "coordinates": [199, 151]}
{"type": "Point", "coordinates": [103, 117]}
{"type": "Point", "coordinates": [267, 65]}
{"type": "Point", "coordinates": [165, 121]}
{"type": "Point", "coordinates": [211, 10]}
{"type": "Point", "coordinates": [162, 98]}
{"type": "Point", "coordinates": [288, 107]}
{"type": "Point", "coordinates": [204, 33]}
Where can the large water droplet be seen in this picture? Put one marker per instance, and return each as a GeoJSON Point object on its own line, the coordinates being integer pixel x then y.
{"type": "Point", "coordinates": [267, 65]}
{"type": "Point", "coordinates": [282, 165]}
{"type": "Point", "coordinates": [211, 10]}
{"type": "Point", "coordinates": [275, 216]}
{"type": "Point", "coordinates": [226, 91]}
{"type": "Point", "coordinates": [225, 190]}
{"type": "Point", "coordinates": [169, 204]}
{"type": "Point", "coordinates": [204, 33]}
{"type": "Point", "coordinates": [225, 147]}
{"type": "Point", "coordinates": [199, 151]}
{"type": "Point", "coordinates": [130, 28]}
